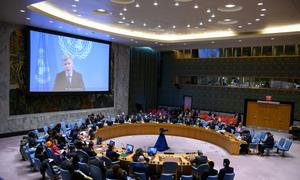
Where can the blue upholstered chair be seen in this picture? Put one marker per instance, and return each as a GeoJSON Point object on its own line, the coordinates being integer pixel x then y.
{"type": "Point", "coordinates": [186, 177]}
{"type": "Point", "coordinates": [96, 173]}
{"type": "Point", "coordinates": [170, 168]}
{"type": "Point", "coordinates": [165, 176]}
{"type": "Point", "coordinates": [198, 171]}
{"type": "Point", "coordinates": [280, 143]}
{"type": "Point", "coordinates": [139, 176]}
{"type": "Point", "coordinates": [84, 167]}
{"type": "Point", "coordinates": [212, 177]}
{"type": "Point", "coordinates": [286, 147]}
{"type": "Point", "coordinates": [229, 176]}
{"type": "Point", "coordinates": [65, 174]}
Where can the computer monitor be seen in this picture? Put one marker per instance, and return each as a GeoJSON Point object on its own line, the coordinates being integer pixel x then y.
{"type": "Point", "coordinates": [152, 151]}
{"type": "Point", "coordinates": [129, 148]}
{"type": "Point", "coordinates": [112, 143]}
{"type": "Point", "coordinates": [99, 140]}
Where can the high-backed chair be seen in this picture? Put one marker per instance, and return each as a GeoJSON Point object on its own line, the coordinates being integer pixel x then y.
{"type": "Point", "coordinates": [229, 176]}
{"type": "Point", "coordinates": [37, 164]}
{"type": "Point", "coordinates": [186, 177]}
{"type": "Point", "coordinates": [96, 172]}
{"type": "Point", "coordinates": [198, 171]}
{"type": "Point", "coordinates": [131, 168]}
{"type": "Point", "coordinates": [108, 163]}
{"type": "Point", "coordinates": [139, 176]}
{"type": "Point", "coordinates": [83, 156]}
{"type": "Point", "coordinates": [170, 168]}
{"type": "Point", "coordinates": [286, 147]}
{"type": "Point", "coordinates": [84, 167]}
{"type": "Point", "coordinates": [65, 174]}
{"type": "Point", "coordinates": [52, 172]}
{"type": "Point", "coordinates": [255, 141]}
{"type": "Point", "coordinates": [165, 176]}
{"type": "Point", "coordinates": [280, 143]}
{"type": "Point", "coordinates": [212, 177]}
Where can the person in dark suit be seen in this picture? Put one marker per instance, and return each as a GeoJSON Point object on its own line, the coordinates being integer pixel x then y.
{"type": "Point", "coordinates": [268, 143]}
{"type": "Point", "coordinates": [225, 170]}
{"type": "Point", "coordinates": [141, 167]}
{"type": "Point", "coordinates": [200, 159]}
{"type": "Point", "coordinates": [69, 79]}
{"type": "Point", "coordinates": [210, 172]}
{"type": "Point", "coordinates": [111, 154]}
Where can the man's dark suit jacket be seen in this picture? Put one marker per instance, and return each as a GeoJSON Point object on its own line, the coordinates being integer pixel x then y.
{"type": "Point", "coordinates": [210, 172]}
{"type": "Point", "coordinates": [112, 155]}
{"type": "Point", "coordinates": [62, 83]}
{"type": "Point", "coordinates": [141, 168]}
{"type": "Point", "coordinates": [199, 160]}
{"type": "Point", "coordinates": [224, 171]}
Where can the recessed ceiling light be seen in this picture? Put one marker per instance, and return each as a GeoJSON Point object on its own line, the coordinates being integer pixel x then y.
{"type": "Point", "coordinates": [263, 9]}
{"type": "Point", "coordinates": [174, 26]}
{"type": "Point", "coordinates": [137, 5]}
{"type": "Point", "coordinates": [73, 5]}
{"type": "Point", "coordinates": [159, 26]}
{"type": "Point", "coordinates": [124, 9]}
{"type": "Point", "coordinates": [155, 3]}
{"type": "Point", "coordinates": [176, 4]}
{"type": "Point", "coordinates": [208, 10]}
{"type": "Point", "coordinates": [213, 16]}
{"type": "Point", "coordinates": [260, 4]}
{"type": "Point", "coordinates": [196, 6]}
{"type": "Point", "coordinates": [272, 38]}
{"type": "Point", "coordinates": [76, 0]}
{"type": "Point", "coordinates": [120, 22]}
{"type": "Point", "coordinates": [213, 42]}
{"type": "Point", "coordinates": [22, 11]}
{"type": "Point", "coordinates": [201, 23]}
{"type": "Point", "coordinates": [50, 21]}
{"type": "Point", "coordinates": [28, 18]}
{"type": "Point", "coordinates": [240, 26]}
{"type": "Point", "coordinates": [184, 44]}
{"type": "Point", "coordinates": [209, 20]}
{"type": "Point", "coordinates": [121, 14]}
{"type": "Point", "coordinates": [188, 26]}
{"type": "Point", "coordinates": [101, 10]}
{"type": "Point", "coordinates": [144, 24]}
{"type": "Point", "coordinates": [262, 15]}
{"type": "Point", "coordinates": [240, 40]}
{"type": "Point", "coordinates": [132, 21]}
{"type": "Point", "coordinates": [249, 23]}
{"type": "Point", "coordinates": [257, 19]}
{"type": "Point", "coordinates": [123, 18]}
{"type": "Point", "coordinates": [229, 5]}
{"type": "Point", "coordinates": [227, 20]}
{"type": "Point", "coordinates": [74, 10]}
{"type": "Point", "coordinates": [196, 27]}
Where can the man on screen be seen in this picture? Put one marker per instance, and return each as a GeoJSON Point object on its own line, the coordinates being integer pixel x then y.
{"type": "Point", "coordinates": [69, 79]}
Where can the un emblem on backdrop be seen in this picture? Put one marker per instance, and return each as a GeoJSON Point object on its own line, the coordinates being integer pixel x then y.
{"type": "Point", "coordinates": [76, 47]}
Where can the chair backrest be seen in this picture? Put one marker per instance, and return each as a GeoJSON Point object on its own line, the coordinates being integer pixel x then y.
{"type": "Point", "coordinates": [49, 153]}
{"type": "Point", "coordinates": [37, 163]}
{"type": "Point", "coordinates": [169, 167]}
{"type": "Point", "coordinates": [107, 162]}
{"type": "Point", "coordinates": [83, 156]}
{"type": "Point", "coordinates": [84, 167]}
{"type": "Point", "coordinates": [263, 135]}
{"type": "Point", "coordinates": [50, 172]}
{"type": "Point", "coordinates": [202, 168]}
{"type": "Point", "coordinates": [287, 145]}
{"type": "Point", "coordinates": [212, 177]}
{"type": "Point", "coordinates": [45, 129]}
{"type": "Point", "coordinates": [139, 176]}
{"type": "Point", "coordinates": [165, 176]}
{"type": "Point", "coordinates": [96, 172]}
{"type": "Point", "coordinates": [281, 142]}
{"type": "Point", "coordinates": [65, 174]}
{"type": "Point", "coordinates": [186, 177]}
{"type": "Point", "coordinates": [229, 176]}
{"type": "Point", "coordinates": [29, 157]}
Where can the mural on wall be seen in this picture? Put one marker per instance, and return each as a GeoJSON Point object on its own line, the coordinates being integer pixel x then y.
{"type": "Point", "coordinates": [22, 102]}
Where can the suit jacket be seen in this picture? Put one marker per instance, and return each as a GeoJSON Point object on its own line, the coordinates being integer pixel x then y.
{"type": "Point", "coordinates": [141, 168]}
{"type": "Point", "coordinates": [224, 171]}
{"type": "Point", "coordinates": [112, 155]}
{"type": "Point", "coordinates": [210, 172]}
{"type": "Point", "coordinates": [199, 160]}
{"type": "Point", "coordinates": [62, 83]}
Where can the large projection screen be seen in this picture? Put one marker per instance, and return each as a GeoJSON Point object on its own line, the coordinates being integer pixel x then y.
{"type": "Point", "coordinates": [67, 63]}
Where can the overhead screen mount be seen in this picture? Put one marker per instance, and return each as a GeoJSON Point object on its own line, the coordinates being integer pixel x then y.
{"type": "Point", "coordinates": [60, 62]}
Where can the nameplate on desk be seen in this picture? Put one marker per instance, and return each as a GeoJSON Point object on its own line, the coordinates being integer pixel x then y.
{"type": "Point", "coordinates": [267, 102]}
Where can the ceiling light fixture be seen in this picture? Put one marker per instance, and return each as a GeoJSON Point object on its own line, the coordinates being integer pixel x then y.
{"type": "Point", "coordinates": [123, 18]}
{"type": "Point", "coordinates": [120, 22]}
{"type": "Point", "coordinates": [132, 21]}
{"type": "Point", "coordinates": [201, 23]}
{"type": "Point", "coordinates": [230, 5]}
{"type": "Point", "coordinates": [159, 26]}
{"type": "Point", "coordinates": [50, 21]}
{"type": "Point", "coordinates": [176, 4]}
{"type": "Point", "coordinates": [174, 26]}
{"type": "Point", "coordinates": [76, 0]}
{"type": "Point", "coordinates": [263, 9]}
{"type": "Point", "coordinates": [208, 11]}
{"type": "Point", "coordinates": [262, 15]}
{"type": "Point", "coordinates": [240, 40]}
{"type": "Point", "coordinates": [121, 14]}
{"type": "Point", "coordinates": [209, 20]}
{"type": "Point", "coordinates": [249, 23]}
{"type": "Point", "coordinates": [260, 4]}
{"type": "Point", "coordinates": [257, 19]}
{"type": "Point", "coordinates": [144, 24]}
{"type": "Point", "coordinates": [124, 9]}
{"type": "Point", "coordinates": [137, 5]}
{"type": "Point", "coordinates": [240, 26]}
{"type": "Point", "coordinates": [28, 18]}
{"type": "Point", "coordinates": [188, 26]}
{"type": "Point", "coordinates": [74, 10]}
{"type": "Point", "coordinates": [131, 39]}
{"type": "Point", "coordinates": [227, 20]}
{"type": "Point", "coordinates": [213, 16]}
{"type": "Point", "coordinates": [73, 5]}
{"type": "Point", "coordinates": [155, 3]}
{"type": "Point", "coordinates": [22, 11]}
{"type": "Point", "coordinates": [196, 6]}
{"type": "Point", "coordinates": [272, 38]}
{"type": "Point", "coordinates": [213, 42]}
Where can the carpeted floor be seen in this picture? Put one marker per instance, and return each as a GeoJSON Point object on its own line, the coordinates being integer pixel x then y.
{"type": "Point", "coordinates": [247, 167]}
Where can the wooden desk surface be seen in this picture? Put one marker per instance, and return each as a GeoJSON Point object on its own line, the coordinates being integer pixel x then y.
{"type": "Point", "coordinates": [226, 140]}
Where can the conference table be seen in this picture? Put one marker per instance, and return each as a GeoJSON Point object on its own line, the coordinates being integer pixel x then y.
{"type": "Point", "coordinates": [225, 140]}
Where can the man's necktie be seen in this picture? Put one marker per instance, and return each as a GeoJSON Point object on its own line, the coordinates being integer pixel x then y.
{"type": "Point", "coordinates": [69, 78]}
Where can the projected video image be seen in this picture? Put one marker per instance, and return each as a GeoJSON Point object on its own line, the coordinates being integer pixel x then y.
{"type": "Point", "coordinates": [61, 63]}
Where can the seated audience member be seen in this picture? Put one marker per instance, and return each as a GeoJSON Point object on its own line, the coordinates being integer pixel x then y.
{"type": "Point", "coordinates": [200, 159]}
{"type": "Point", "coordinates": [268, 143]}
{"type": "Point", "coordinates": [141, 167]}
{"type": "Point", "coordinates": [75, 174]}
{"type": "Point", "coordinates": [116, 173]}
{"type": "Point", "coordinates": [32, 139]}
{"type": "Point", "coordinates": [99, 163]}
{"type": "Point", "coordinates": [246, 136]}
{"type": "Point", "coordinates": [225, 170]}
{"type": "Point", "coordinates": [90, 149]}
{"type": "Point", "coordinates": [239, 128]}
{"type": "Point", "coordinates": [111, 154]}
{"type": "Point", "coordinates": [210, 172]}
{"type": "Point", "coordinates": [51, 143]}
{"type": "Point", "coordinates": [39, 154]}
{"type": "Point", "coordinates": [139, 152]}
{"type": "Point", "coordinates": [92, 132]}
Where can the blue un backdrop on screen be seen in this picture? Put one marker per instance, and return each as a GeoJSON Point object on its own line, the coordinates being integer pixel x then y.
{"type": "Point", "coordinates": [47, 51]}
